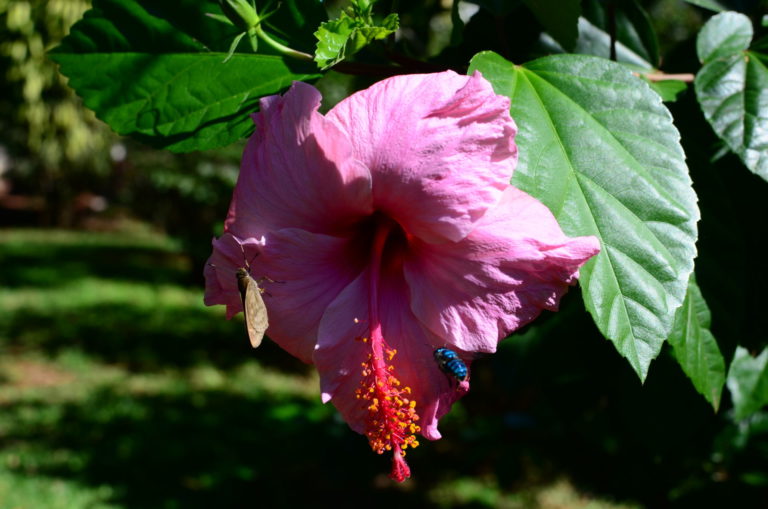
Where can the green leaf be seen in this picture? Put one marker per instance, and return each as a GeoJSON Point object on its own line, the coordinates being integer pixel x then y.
{"type": "Point", "coordinates": [723, 36]}
{"type": "Point", "coordinates": [712, 5]}
{"type": "Point", "coordinates": [559, 18]}
{"type": "Point", "coordinates": [343, 37]}
{"type": "Point", "coordinates": [748, 382]}
{"type": "Point", "coordinates": [332, 37]}
{"type": "Point", "coordinates": [164, 80]}
{"type": "Point", "coordinates": [593, 40]}
{"type": "Point", "coordinates": [732, 88]}
{"type": "Point", "coordinates": [233, 47]}
{"type": "Point", "coordinates": [668, 89]}
{"type": "Point", "coordinates": [598, 147]}
{"type": "Point", "coordinates": [695, 347]}
{"type": "Point", "coordinates": [634, 30]}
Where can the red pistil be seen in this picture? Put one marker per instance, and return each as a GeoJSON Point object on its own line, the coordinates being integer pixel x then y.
{"type": "Point", "coordinates": [391, 423]}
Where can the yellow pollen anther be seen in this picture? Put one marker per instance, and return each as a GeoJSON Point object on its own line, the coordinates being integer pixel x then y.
{"type": "Point", "coordinates": [391, 414]}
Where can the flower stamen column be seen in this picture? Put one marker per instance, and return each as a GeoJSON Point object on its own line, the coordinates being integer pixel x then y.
{"type": "Point", "coordinates": [391, 414]}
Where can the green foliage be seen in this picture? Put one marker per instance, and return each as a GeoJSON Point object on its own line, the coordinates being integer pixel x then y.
{"type": "Point", "coordinates": [48, 120]}
{"type": "Point", "coordinates": [732, 88]}
{"type": "Point", "coordinates": [696, 348]}
{"type": "Point", "coordinates": [54, 142]}
{"type": "Point", "coordinates": [635, 39]}
{"type": "Point", "coordinates": [668, 90]}
{"type": "Point", "coordinates": [724, 35]}
{"type": "Point", "coordinates": [241, 13]}
{"type": "Point", "coordinates": [560, 19]}
{"type": "Point", "coordinates": [181, 194]}
{"type": "Point", "coordinates": [748, 382]}
{"type": "Point", "coordinates": [707, 4]}
{"type": "Point", "coordinates": [633, 27]}
{"type": "Point", "coordinates": [599, 149]}
{"type": "Point", "coordinates": [181, 95]}
{"type": "Point", "coordinates": [341, 38]}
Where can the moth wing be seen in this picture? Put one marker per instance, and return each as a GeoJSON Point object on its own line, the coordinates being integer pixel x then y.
{"type": "Point", "coordinates": [256, 320]}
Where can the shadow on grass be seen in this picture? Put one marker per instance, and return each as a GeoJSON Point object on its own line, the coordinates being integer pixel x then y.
{"type": "Point", "coordinates": [531, 418]}
{"type": "Point", "coordinates": [142, 338]}
{"type": "Point", "coordinates": [163, 332]}
{"type": "Point", "coordinates": [215, 448]}
{"type": "Point", "coordinates": [52, 265]}
{"type": "Point", "coordinates": [556, 401]}
{"type": "Point", "coordinates": [201, 450]}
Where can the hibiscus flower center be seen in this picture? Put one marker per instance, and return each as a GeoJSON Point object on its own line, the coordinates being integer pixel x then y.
{"type": "Point", "coordinates": [391, 413]}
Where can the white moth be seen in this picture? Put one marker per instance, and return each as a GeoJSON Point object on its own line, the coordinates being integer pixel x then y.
{"type": "Point", "coordinates": [256, 320]}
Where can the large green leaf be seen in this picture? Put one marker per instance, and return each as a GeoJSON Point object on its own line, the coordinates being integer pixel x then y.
{"type": "Point", "coordinates": [732, 88]}
{"type": "Point", "coordinates": [155, 70]}
{"type": "Point", "coordinates": [598, 147]}
{"type": "Point", "coordinates": [748, 382]}
{"type": "Point", "coordinates": [696, 348]}
{"type": "Point", "coordinates": [559, 18]}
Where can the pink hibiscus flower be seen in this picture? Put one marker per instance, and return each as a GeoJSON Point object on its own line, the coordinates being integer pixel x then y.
{"type": "Point", "coordinates": [393, 229]}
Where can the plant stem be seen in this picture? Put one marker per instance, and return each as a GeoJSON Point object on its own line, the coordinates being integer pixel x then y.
{"type": "Point", "coordinates": [281, 47]}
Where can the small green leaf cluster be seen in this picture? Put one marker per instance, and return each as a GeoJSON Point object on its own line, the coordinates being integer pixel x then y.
{"type": "Point", "coordinates": [352, 31]}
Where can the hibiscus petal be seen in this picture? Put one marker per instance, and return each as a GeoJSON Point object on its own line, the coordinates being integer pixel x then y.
{"type": "Point", "coordinates": [433, 390]}
{"type": "Point", "coordinates": [309, 271]}
{"type": "Point", "coordinates": [440, 148]}
{"type": "Point", "coordinates": [339, 355]}
{"type": "Point", "coordinates": [297, 171]}
{"type": "Point", "coordinates": [515, 263]}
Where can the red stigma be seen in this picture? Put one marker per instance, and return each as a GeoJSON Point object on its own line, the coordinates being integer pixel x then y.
{"type": "Point", "coordinates": [391, 413]}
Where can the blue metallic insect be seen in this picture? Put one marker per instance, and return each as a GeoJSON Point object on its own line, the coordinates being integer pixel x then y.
{"type": "Point", "coordinates": [450, 362]}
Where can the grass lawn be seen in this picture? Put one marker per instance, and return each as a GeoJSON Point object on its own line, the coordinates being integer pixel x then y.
{"type": "Point", "coordinates": [120, 389]}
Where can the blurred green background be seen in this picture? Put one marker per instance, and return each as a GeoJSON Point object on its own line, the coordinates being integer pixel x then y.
{"type": "Point", "coordinates": [120, 389]}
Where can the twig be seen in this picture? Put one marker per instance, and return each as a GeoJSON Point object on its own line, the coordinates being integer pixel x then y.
{"type": "Point", "coordinates": [660, 76]}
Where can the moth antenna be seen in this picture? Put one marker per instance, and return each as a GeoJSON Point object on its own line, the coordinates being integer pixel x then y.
{"type": "Point", "coordinates": [269, 279]}
{"type": "Point", "coordinates": [245, 259]}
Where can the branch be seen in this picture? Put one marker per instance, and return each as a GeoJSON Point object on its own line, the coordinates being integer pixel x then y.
{"type": "Point", "coordinates": [660, 76]}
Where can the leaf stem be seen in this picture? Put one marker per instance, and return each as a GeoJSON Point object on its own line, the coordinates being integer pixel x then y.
{"type": "Point", "coordinates": [281, 47]}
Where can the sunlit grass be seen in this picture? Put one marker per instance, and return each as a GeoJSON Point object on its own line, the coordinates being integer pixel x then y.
{"type": "Point", "coordinates": [24, 492]}
{"type": "Point", "coordinates": [86, 292]}
{"type": "Point", "coordinates": [27, 240]}
{"type": "Point", "coordinates": [486, 493]}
